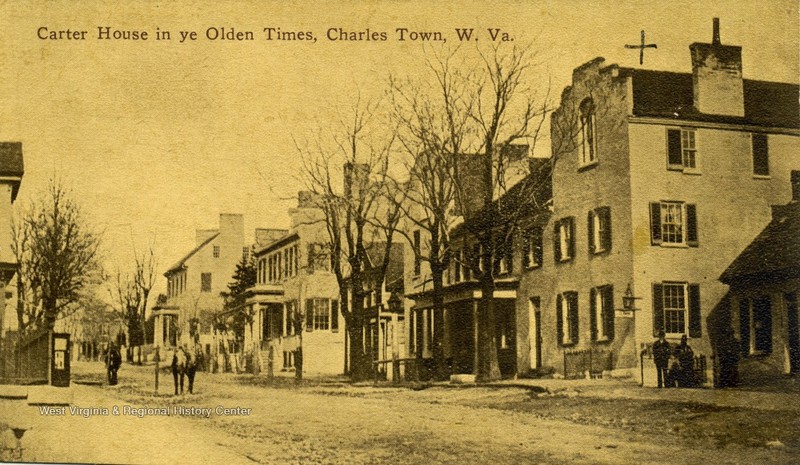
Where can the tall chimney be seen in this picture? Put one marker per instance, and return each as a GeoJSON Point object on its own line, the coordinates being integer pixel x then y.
{"type": "Point", "coordinates": [717, 77]}
{"type": "Point", "coordinates": [715, 40]}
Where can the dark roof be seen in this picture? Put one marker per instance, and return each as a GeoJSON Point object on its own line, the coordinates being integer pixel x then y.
{"type": "Point", "coordinates": [189, 255]}
{"type": "Point", "coordinates": [276, 244]}
{"type": "Point", "coordinates": [773, 254]}
{"type": "Point", "coordinates": [11, 163]}
{"type": "Point", "coordinates": [668, 94]}
{"type": "Point", "coordinates": [524, 199]}
{"type": "Point", "coordinates": [394, 270]}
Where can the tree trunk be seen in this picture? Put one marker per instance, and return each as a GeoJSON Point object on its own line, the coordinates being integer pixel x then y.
{"type": "Point", "coordinates": [360, 366]}
{"type": "Point", "coordinates": [488, 368]}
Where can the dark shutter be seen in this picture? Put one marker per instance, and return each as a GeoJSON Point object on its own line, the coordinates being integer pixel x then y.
{"type": "Point", "coordinates": [674, 153]}
{"type": "Point", "coordinates": [655, 223]}
{"type": "Point", "coordinates": [605, 218]}
{"type": "Point", "coordinates": [608, 312]}
{"type": "Point", "coordinates": [309, 314]}
{"type": "Point", "coordinates": [557, 242]}
{"type": "Point", "coordinates": [593, 312]}
{"type": "Point", "coordinates": [509, 254]}
{"type": "Point", "coordinates": [537, 247]}
{"type": "Point", "coordinates": [691, 225]}
{"type": "Point", "coordinates": [560, 319]}
{"type": "Point", "coordinates": [572, 298]}
{"type": "Point", "coordinates": [526, 249]}
{"type": "Point", "coordinates": [658, 308]}
{"type": "Point", "coordinates": [334, 315]}
{"type": "Point", "coordinates": [571, 226]}
{"type": "Point", "coordinates": [311, 258]}
{"type": "Point", "coordinates": [590, 228]}
{"type": "Point", "coordinates": [695, 318]}
{"type": "Point", "coordinates": [744, 325]}
{"type": "Point", "coordinates": [760, 155]}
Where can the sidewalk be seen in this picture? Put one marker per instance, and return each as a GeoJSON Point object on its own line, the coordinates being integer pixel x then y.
{"type": "Point", "coordinates": [626, 389]}
{"type": "Point", "coordinates": [112, 438]}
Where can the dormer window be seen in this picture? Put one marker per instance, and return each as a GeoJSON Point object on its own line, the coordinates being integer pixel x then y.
{"type": "Point", "coordinates": [588, 145]}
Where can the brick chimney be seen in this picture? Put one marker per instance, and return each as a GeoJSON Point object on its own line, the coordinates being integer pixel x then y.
{"type": "Point", "coordinates": [717, 77]}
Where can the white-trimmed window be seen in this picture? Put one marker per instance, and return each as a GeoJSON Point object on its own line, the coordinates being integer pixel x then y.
{"type": "Point", "coordinates": [564, 239]}
{"type": "Point", "coordinates": [532, 248]}
{"type": "Point", "coordinates": [322, 315]}
{"type": "Point", "coordinates": [673, 223]}
{"type": "Point", "coordinates": [205, 282]}
{"type": "Point", "coordinates": [682, 149]}
{"type": "Point", "coordinates": [601, 300]}
{"type": "Point", "coordinates": [676, 309]}
{"type": "Point", "coordinates": [567, 318]}
{"type": "Point", "coordinates": [588, 145]}
{"type": "Point", "coordinates": [599, 225]}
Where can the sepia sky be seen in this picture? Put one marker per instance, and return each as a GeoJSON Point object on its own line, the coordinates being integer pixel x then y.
{"type": "Point", "coordinates": [156, 138]}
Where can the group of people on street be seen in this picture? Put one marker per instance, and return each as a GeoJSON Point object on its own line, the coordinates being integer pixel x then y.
{"type": "Point", "coordinates": [184, 363]}
{"type": "Point", "coordinates": [675, 368]}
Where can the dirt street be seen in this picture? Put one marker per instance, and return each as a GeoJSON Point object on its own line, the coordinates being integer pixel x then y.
{"type": "Point", "coordinates": [330, 423]}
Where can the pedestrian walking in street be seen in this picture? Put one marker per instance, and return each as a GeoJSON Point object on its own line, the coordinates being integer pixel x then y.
{"type": "Point", "coordinates": [113, 362]}
{"type": "Point", "coordinates": [178, 368]}
{"type": "Point", "coordinates": [191, 367]}
{"type": "Point", "coordinates": [685, 357]}
{"type": "Point", "coordinates": [661, 354]}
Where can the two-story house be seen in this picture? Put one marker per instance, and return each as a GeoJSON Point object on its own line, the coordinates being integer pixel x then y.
{"type": "Point", "coordinates": [195, 285]}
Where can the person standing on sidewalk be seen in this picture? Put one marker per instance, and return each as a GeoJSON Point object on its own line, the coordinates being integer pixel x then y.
{"type": "Point", "coordinates": [113, 362]}
{"type": "Point", "coordinates": [685, 356]}
{"type": "Point", "coordinates": [661, 354]}
{"type": "Point", "coordinates": [178, 368]}
{"type": "Point", "coordinates": [191, 367]}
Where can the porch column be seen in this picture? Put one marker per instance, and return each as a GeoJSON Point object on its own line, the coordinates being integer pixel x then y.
{"type": "Point", "coordinates": [475, 336]}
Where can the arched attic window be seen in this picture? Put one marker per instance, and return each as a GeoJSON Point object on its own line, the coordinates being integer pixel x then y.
{"type": "Point", "coordinates": [588, 146]}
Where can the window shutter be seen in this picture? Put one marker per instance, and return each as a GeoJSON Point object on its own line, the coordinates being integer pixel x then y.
{"type": "Point", "coordinates": [608, 312]}
{"type": "Point", "coordinates": [510, 254]}
{"type": "Point", "coordinates": [655, 223]}
{"type": "Point", "coordinates": [309, 314]}
{"type": "Point", "coordinates": [691, 225]}
{"type": "Point", "coordinates": [658, 308]}
{"type": "Point", "coordinates": [605, 217]}
{"type": "Point", "coordinates": [571, 244]}
{"type": "Point", "coordinates": [760, 155]}
{"type": "Point", "coordinates": [557, 241]}
{"type": "Point", "coordinates": [573, 317]}
{"type": "Point", "coordinates": [590, 228]}
{"type": "Point", "coordinates": [527, 243]}
{"type": "Point", "coordinates": [695, 318]}
{"type": "Point", "coordinates": [674, 153]}
{"type": "Point", "coordinates": [593, 312]}
{"type": "Point", "coordinates": [334, 316]}
{"type": "Point", "coordinates": [311, 258]}
{"type": "Point", "coordinates": [537, 247]}
{"type": "Point", "coordinates": [560, 319]}
{"type": "Point", "coordinates": [744, 325]}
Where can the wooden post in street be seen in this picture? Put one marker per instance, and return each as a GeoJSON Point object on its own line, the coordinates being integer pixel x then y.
{"type": "Point", "coordinates": [156, 356]}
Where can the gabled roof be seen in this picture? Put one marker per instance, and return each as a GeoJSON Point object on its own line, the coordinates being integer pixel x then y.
{"type": "Point", "coordinates": [670, 95]}
{"type": "Point", "coordinates": [189, 255]}
{"type": "Point", "coordinates": [773, 254]}
{"type": "Point", "coordinates": [394, 270]}
{"type": "Point", "coordinates": [525, 199]}
{"type": "Point", "coordinates": [276, 244]}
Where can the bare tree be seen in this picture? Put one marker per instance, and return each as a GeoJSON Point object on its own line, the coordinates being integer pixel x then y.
{"type": "Point", "coordinates": [57, 254]}
{"type": "Point", "coordinates": [505, 111]}
{"type": "Point", "coordinates": [351, 213]}
{"type": "Point", "coordinates": [433, 117]}
{"type": "Point", "coordinates": [131, 292]}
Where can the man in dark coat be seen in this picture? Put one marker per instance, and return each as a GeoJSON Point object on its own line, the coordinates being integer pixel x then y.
{"type": "Point", "coordinates": [178, 368]}
{"type": "Point", "coordinates": [685, 356]}
{"type": "Point", "coordinates": [191, 367]}
{"type": "Point", "coordinates": [113, 362]}
{"type": "Point", "coordinates": [661, 354]}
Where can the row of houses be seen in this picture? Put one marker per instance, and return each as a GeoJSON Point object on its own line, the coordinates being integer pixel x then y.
{"type": "Point", "coordinates": [673, 208]}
